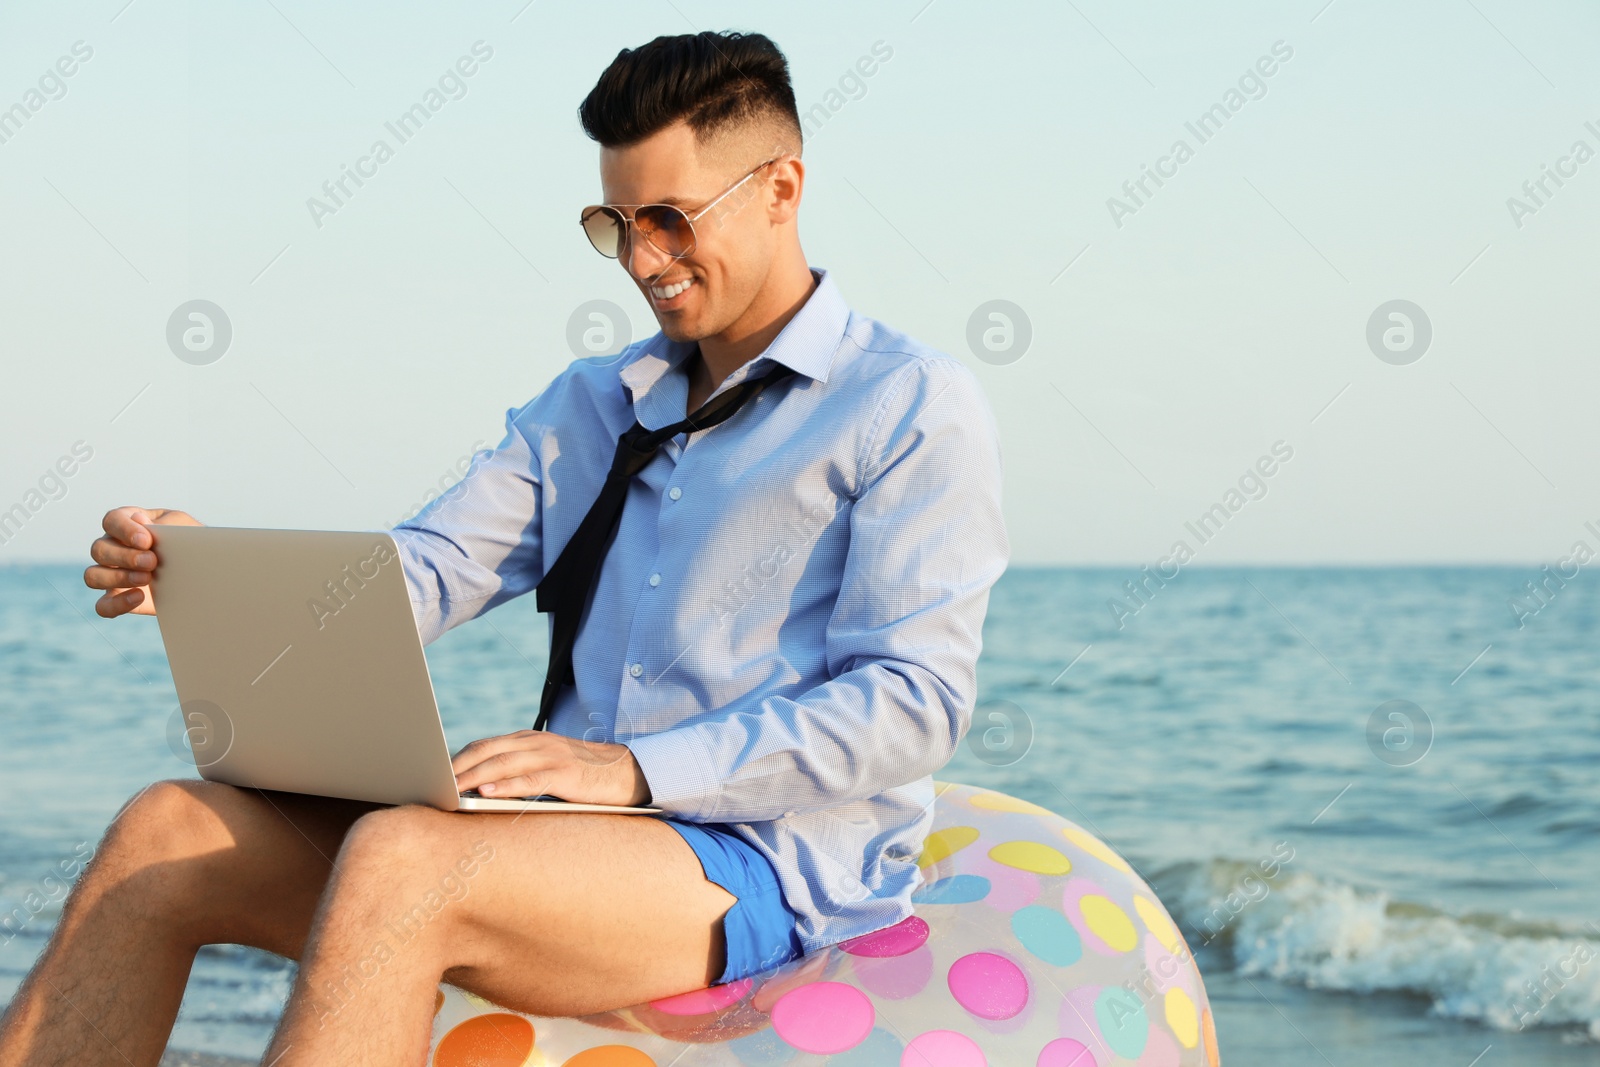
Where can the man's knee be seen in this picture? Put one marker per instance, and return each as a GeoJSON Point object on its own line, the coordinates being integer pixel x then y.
{"type": "Point", "coordinates": [391, 844]}
{"type": "Point", "coordinates": [412, 858]}
{"type": "Point", "coordinates": [170, 820]}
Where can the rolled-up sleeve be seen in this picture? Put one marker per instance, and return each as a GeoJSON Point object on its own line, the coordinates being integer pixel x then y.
{"type": "Point", "coordinates": [927, 542]}
{"type": "Point", "coordinates": [479, 543]}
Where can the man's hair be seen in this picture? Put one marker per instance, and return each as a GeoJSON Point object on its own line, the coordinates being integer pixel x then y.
{"type": "Point", "coordinates": [716, 82]}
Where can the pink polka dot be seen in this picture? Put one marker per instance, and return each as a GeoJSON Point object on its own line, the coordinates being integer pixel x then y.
{"type": "Point", "coordinates": [905, 936]}
{"type": "Point", "coordinates": [1065, 1052]}
{"type": "Point", "coordinates": [823, 1017]}
{"type": "Point", "coordinates": [703, 1001]}
{"type": "Point", "coordinates": [896, 977]}
{"type": "Point", "coordinates": [1076, 1018]}
{"type": "Point", "coordinates": [1167, 969]}
{"type": "Point", "coordinates": [1009, 887]}
{"type": "Point", "coordinates": [1159, 1049]}
{"type": "Point", "coordinates": [988, 985]}
{"type": "Point", "coordinates": [943, 1048]}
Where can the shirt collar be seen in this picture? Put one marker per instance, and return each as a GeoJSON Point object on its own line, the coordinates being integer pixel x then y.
{"type": "Point", "coordinates": [807, 344]}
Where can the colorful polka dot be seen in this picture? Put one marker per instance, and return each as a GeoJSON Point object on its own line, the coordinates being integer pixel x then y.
{"type": "Point", "coordinates": [1066, 1052]}
{"type": "Point", "coordinates": [1075, 1018]}
{"type": "Point", "coordinates": [762, 1049]}
{"type": "Point", "coordinates": [905, 936]}
{"type": "Point", "coordinates": [1167, 969]}
{"type": "Point", "coordinates": [1208, 1026]}
{"type": "Point", "coordinates": [957, 889]}
{"type": "Point", "coordinates": [1047, 934]}
{"type": "Point", "coordinates": [610, 1056]}
{"type": "Point", "coordinates": [943, 1048]}
{"type": "Point", "coordinates": [1095, 847]}
{"type": "Point", "coordinates": [1031, 856]}
{"type": "Point", "coordinates": [1123, 1022]}
{"type": "Point", "coordinates": [1156, 921]}
{"type": "Point", "coordinates": [823, 1017]}
{"type": "Point", "coordinates": [498, 1039]}
{"type": "Point", "coordinates": [1009, 888]}
{"type": "Point", "coordinates": [1001, 802]}
{"type": "Point", "coordinates": [894, 977]}
{"type": "Point", "coordinates": [1108, 922]}
{"type": "Point", "coordinates": [1182, 1018]}
{"type": "Point", "coordinates": [1160, 1050]}
{"type": "Point", "coordinates": [988, 985]}
{"type": "Point", "coordinates": [945, 843]}
{"type": "Point", "coordinates": [880, 1048]}
{"type": "Point", "coordinates": [704, 1001]}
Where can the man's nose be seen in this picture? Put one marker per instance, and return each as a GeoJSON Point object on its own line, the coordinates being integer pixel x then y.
{"type": "Point", "coordinates": [642, 259]}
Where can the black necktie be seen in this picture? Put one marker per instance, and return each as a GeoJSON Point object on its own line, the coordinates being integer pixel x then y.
{"type": "Point", "coordinates": [564, 591]}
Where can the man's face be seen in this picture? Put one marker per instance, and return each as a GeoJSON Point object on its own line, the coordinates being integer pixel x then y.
{"type": "Point", "coordinates": [734, 241]}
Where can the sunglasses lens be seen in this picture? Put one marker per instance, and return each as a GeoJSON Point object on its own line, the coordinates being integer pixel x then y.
{"type": "Point", "coordinates": [665, 227]}
{"type": "Point", "coordinates": [605, 229]}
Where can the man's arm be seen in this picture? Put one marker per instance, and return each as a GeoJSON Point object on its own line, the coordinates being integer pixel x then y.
{"type": "Point", "coordinates": [927, 541]}
{"type": "Point", "coordinates": [480, 543]}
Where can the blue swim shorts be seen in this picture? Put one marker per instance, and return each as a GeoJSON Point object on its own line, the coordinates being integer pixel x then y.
{"type": "Point", "coordinates": [760, 926]}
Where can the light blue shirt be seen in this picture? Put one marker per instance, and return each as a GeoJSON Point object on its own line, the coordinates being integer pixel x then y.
{"type": "Point", "coordinates": [785, 631]}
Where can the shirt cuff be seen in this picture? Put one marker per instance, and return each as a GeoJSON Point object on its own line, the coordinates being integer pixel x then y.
{"type": "Point", "coordinates": [673, 762]}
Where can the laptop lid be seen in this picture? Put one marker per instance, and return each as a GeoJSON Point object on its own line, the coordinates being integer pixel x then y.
{"type": "Point", "coordinates": [238, 606]}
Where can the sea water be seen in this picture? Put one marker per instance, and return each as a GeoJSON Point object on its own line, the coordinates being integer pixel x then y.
{"type": "Point", "coordinates": [1370, 797]}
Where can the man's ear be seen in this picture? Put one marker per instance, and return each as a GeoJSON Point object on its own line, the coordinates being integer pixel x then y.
{"type": "Point", "coordinates": [788, 181]}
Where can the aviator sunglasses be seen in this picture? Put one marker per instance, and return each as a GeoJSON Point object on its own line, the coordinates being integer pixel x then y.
{"type": "Point", "coordinates": [667, 228]}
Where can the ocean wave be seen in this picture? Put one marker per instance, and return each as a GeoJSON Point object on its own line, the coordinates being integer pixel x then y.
{"type": "Point", "coordinates": [1507, 973]}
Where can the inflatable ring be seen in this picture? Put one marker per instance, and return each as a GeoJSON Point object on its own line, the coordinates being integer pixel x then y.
{"type": "Point", "coordinates": [1033, 944]}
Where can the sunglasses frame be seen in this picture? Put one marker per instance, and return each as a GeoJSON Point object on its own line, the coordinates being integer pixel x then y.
{"type": "Point", "coordinates": [690, 219]}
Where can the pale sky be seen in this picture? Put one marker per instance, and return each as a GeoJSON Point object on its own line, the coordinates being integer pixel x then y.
{"type": "Point", "coordinates": [1174, 340]}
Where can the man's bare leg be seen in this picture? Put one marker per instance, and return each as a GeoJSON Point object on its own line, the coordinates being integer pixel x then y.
{"type": "Point", "coordinates": [552, 914]}
{"type": "Point", "coordinates": [185, 864]}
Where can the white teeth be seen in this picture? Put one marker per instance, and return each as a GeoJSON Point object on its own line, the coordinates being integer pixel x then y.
{"type": "Point", "coordinates": [670, 291]}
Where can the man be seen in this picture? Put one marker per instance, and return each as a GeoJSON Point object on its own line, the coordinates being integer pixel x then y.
{"type": "Point", "coordinates": [778, 650]}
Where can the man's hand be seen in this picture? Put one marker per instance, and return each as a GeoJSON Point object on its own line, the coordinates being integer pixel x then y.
{"type": "Point", "coordinates": [126, 557]}
{"type": "Point", "coordinates": [531, 762]}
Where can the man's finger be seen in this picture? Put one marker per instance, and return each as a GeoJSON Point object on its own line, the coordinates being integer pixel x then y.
{"type": "Point", "coordinates": [126, 525]}
{"type": "Point", "coordinates": [114, 578]}
{"type": "Point", "coordinates": [505, 765]}
{"type": "Point", "coordinates": [118, 602]}
{"type": "Point", "coordinates": [522, 785]}
{"type": "Point", "coordinates": [114, 554]}
{"type": "Point", "coordinates": [488, 747]}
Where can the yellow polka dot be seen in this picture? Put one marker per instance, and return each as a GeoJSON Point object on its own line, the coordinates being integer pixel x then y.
{"type": "Point", "coordinates": [940, 788]}
{"type": "Point", "coordinates": [946, 842]}
{"type": "Point", "coordinates": [1031, 856]}
{"type": "Point", "coordinates": [1182, 1018]}
{"type": "Point", "coordinates": [1002, 802]}
{"type": "Point", "coordinates": [1096, 848]}
{"type": "Point", "coordinates": [1109, 922]}
{"type": "Point", "coordinates": [1156, 921]}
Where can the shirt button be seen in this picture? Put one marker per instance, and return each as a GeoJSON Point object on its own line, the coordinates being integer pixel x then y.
{"type": "Point", "coordinates": [675, 492]}
{"type": "Point", "coordinates": [636, 670]}
{"type": "Point", "coordinates": [655, 580]}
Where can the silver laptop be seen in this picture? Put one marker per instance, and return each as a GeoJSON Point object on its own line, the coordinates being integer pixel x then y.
{"type": "Point", "coordinates": [299, 667]}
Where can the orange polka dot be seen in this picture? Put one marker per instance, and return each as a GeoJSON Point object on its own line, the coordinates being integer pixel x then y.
{"type": "Point", "coordinates": [498, 1039]}
{"type": "Point", "coordinates": [1208, 1025]}
{"type": "Point", "coordinates": [438, 1001]}
{"type": "Point", "coordinates": [610, 1056]}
